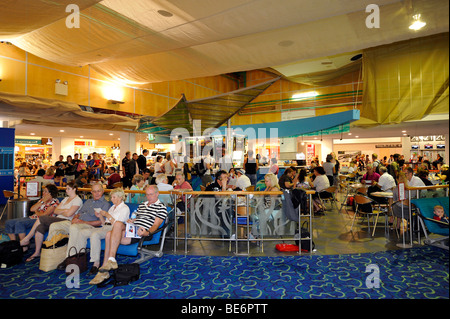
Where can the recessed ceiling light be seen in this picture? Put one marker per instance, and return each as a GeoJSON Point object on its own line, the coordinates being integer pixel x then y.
{"type": "Point", "coordinates": [165, 13]}
{"type": "Point", "coordinates": [286, 43]}
{"type": "Point", "coordinates": [111, 134]}
{"type": "Point", "coordinates": [417, 24]}
{"type": "Point", "coordinates": [349, 133]}
{"type": "Point", "coordinates": [81, 136]}
{"type": "Point", "coordinates": [62, 131]}
{"type": "Point", "coordinates": [32, 133]}
{"type": "Point", "coordinates": [356, 57]}
{"type": "Point", "coordinates": [356, 136]}
{"type": "Point", "coordinates": [403, 131]}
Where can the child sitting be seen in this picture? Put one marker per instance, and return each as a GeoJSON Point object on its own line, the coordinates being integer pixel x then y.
{"type": "Point", "coordinates": [439, 214]}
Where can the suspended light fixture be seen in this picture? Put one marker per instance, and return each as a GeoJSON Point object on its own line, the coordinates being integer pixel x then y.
{"type": "Point", "coordinates": [417, 24]}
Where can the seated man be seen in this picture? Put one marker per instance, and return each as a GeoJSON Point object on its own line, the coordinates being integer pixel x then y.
{"type": "Point", "coordinates": [149, 217]}
{"type": "Point", "coordinates": [220, 184]}
{"type": "Point", "coordinates": [85, 218]}
{"type": "Point", "coordinates": [113, 178]}
{"type": "Point", "coordinates": [385, 183]}
{"type": "Point", "coordinates": [180, 184]}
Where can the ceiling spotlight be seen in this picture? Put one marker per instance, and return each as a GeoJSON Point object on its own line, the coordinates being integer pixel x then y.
{"type": "Point", "coordinates": [305, 95]}
{"type": "Point", "coordinates": [165, 13]}
{"type": "Point", "coordinates": [417, 24]}
{"type": "Point", "coordinates": [57, 81]}
{"type": "Point", "coordinates": [65, 82]}
{"type": "Point", "coordinates": [115, 102]}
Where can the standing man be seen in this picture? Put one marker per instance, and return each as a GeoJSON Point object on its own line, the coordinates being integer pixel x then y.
{"type": "Point", "coordinates": [142, 161]}
{"type": "Point", "coordinates": [126, 174]}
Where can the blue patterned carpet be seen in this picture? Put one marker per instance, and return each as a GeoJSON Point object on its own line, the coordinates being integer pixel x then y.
{"type": "Point", "coordinates": [418, 273]}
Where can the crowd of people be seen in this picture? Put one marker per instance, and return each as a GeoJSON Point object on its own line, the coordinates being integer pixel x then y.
{"type": "Point", "coordinates": [97, 219]}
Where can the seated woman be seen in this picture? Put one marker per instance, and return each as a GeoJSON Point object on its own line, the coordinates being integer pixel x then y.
{"type": "Point", "coordinates": [181, 184]}
{"type": "Point", "coordinates": [49, 173]}
{"type": "Point", "coordinates": [43, 207]}
{"type": "Point", "coordinates": [232, 177]}
{"type": "Point", "coordinates": [138, 185]}
{"type": "Point", "coordinates": [118, 212]}
{"type": "Point", "coordinates": [321, 182]}
{"type": "Point", "coordinates": [149, 217]}
{"type": "Point", "coordinates": [303, 179]}
{"type": "Point", "coordinates": [271, 181]}
{"type": "Point", "coordinates": [68, 207]}
{"type": "Point", "coordinates": [59, 179]}
{"type": "Point", "coordinates": [400, 208]}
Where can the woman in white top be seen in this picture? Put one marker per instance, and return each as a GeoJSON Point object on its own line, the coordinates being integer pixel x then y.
{"type": "Point", "coordinates": [68, 207]}
{"type": "Point", "coordinates": [159, 169]}
{"type": "Point", "coordinates": [119, 212]}
{"type": "Point", "coordinates": [320, 183]}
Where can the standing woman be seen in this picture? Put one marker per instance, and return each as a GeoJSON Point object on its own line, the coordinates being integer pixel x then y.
{"type": "Point", "coordinates": [68, 207]}
{"type": "Point", "coordinates": [169, 167]}
{"type": "Point", "coordinates": [329, 168]}
{"type": "Point", "coordinates": [70, 170]}
{"type": "Point", "coordinates": [251, 167]}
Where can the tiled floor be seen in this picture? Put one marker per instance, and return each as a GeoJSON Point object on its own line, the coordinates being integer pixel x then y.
{"type": "Point", "coordinates": [331, 235]}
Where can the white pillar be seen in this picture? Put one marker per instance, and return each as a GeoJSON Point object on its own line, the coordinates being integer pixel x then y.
{"type": "Point", "coordinates": [327, 148]}
{"type": "Point", "coordinates": [128, 143]}
{"type": "Point", "coordinates": [62, 146]}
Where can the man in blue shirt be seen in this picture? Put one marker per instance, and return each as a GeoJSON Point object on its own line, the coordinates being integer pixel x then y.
{"type": "Point", "coordinates": [85, 219]}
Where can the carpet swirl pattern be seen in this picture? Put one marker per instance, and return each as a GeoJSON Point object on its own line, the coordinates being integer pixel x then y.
{"type": "Point", "coordinates": [418, 273]}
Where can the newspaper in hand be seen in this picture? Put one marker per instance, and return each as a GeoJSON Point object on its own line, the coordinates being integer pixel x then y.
{"type": "Point", "coordinates": [131, 231]}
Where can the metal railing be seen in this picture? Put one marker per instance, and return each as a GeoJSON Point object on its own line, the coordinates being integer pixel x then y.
{"type": "Point", "coordinates": [255, 216]}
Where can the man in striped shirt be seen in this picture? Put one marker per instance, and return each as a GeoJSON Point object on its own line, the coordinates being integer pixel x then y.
{"type": "Point", "coordinates": [149, 217]}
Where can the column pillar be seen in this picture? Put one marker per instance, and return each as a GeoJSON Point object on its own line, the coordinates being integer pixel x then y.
{"type": "Point", "coordinates": [62, 146]}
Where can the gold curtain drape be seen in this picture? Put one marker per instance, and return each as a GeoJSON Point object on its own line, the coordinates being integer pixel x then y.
{"type": "Point", "coordinates": [405, 81]}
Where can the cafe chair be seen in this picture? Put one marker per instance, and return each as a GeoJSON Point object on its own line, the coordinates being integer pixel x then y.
{"type": "Point", "coordinates": [364, 201]}
{"type": "Point", "coordinates": [351, 177]}
{"type": "Point", "coordinates": [8, 195]}
{"type": "Point", "coordinates": [328, 194]}
{"type": "Point", "coordinates": [362, 191]}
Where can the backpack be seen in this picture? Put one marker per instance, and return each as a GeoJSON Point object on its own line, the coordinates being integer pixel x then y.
{"type": "Point", "coordinates": [11, 253]}
{"type": "Point", "coordinates": [304, 241]}
{"type": "Point", "coordinates": [123, 275]}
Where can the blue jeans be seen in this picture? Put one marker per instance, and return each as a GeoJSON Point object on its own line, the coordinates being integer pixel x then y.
{"type": "Point", "coordinates": [19, 225]}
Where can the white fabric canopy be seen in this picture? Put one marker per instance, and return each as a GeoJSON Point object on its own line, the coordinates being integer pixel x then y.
{"type": "Point", "coordinates": [145, 41]}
